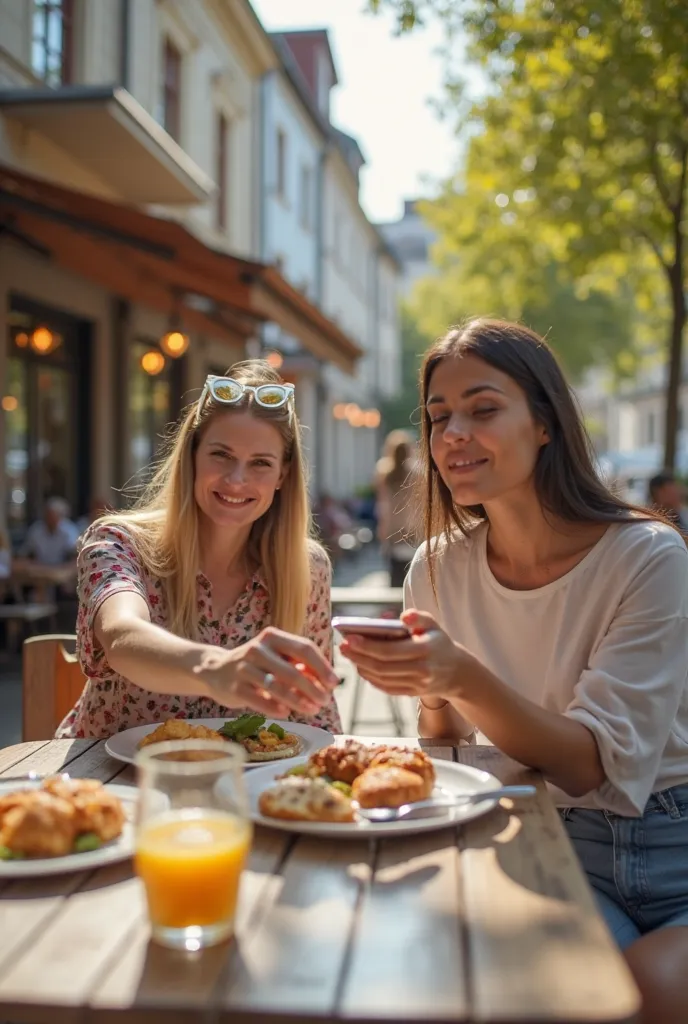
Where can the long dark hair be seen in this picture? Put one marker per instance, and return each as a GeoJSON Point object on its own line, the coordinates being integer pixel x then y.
{"type": "Point", "coordinates": [566, 482]}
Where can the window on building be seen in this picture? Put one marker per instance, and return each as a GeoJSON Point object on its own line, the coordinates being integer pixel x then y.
{"type": "Point", "coordinates": [52, 41]}
{"type": "Point", "coordinates": [172, 90]}
{"type": "Point", "coordinates": [306, 198]}
{"type": "Point", "coordinates": [153, 388]}
{"type": "Point", "coordinates": [221, 170]}
{"type": "Point", "coordinates": [281, 170]}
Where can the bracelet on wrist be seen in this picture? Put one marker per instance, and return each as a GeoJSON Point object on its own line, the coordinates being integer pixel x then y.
{"type": "Point", "coordinates": [429, 707]}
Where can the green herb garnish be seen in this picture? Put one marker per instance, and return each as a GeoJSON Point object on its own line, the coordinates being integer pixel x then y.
{"type": "Point", "coordinates": [242, 728]}
{"type": "Point", "coordinates": [279, 732]}
{"type": "Point", "coordinates": [87, 841]}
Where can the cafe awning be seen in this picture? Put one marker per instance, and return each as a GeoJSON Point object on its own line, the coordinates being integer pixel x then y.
{"type": "Point", "coordinates": [161, 264]}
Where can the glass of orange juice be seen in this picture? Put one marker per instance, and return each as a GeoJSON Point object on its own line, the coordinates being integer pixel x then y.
{"type": "Point", "coordinates": [192, 838]}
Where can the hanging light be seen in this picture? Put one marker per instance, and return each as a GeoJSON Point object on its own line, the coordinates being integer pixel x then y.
{"type": "Point", "coordinates": [9, 403]}
{"type": "Point", "coordinates": [42, 341]}
{"type": "Point", "coordinates": [21, 340]}
{"type": "Point", "coordinates": [274, 359]}
{"type": "Point", "coordinates": [174, 344]}
{"type": "Point", "coordinates": [152, 362]}
{"type": "Point", "coordinates": [339, 411]}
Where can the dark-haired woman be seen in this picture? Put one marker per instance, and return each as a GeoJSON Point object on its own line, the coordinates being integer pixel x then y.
{"type": "Point", "coordinates": [553, 617]}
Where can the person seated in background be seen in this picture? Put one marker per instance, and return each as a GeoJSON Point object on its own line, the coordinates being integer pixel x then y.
{"type": "Point", "coordinates": [52, 539]}
{"type": "Point", "coordinates": [666, 495]}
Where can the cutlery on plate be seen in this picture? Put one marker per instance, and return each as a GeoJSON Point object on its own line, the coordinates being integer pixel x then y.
{"type": "Point", "coordinates": [379, 814]}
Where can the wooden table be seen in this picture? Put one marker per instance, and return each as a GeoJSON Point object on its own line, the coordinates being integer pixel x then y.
{"type": "Point", "coordinates": [492, 922]}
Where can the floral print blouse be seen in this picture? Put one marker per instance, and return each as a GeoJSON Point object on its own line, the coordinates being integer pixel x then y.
{"type": "Point", "coordinates": [108, 564]}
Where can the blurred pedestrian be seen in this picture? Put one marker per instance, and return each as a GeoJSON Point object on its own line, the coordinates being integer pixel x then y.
{"type": "Point", "coordinates": [395, 525]}
{"type": "Point", "coordinates": [666, 495]}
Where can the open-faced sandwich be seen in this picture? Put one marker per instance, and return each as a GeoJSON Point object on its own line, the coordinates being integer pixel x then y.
{"type": "Point", "coordinates": [261, 742]}
{"type": "Point", "coordinates": [335, 780]}
{"type": "Point", "coordinates": [60, 817]}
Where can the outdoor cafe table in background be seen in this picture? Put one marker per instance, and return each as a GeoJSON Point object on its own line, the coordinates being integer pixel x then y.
{"type": "Point", "coordinates": [375, 598]}
{"type": "Point", "coordinates": [492, 922]}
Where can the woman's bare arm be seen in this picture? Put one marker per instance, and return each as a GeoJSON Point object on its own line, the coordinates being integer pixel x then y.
{"type": "Point", "coordinates": [437, 719]}
{"type": "Point", "coordinates": [146, 654]}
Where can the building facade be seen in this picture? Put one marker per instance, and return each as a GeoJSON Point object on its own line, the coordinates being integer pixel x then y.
{"type": "Point", "coordinates": [130, 234]}
{"type": "Point", "coordinates": [355, 274]}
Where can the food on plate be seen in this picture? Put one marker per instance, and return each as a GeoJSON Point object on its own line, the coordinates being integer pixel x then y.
{"type": "Point", "coordinates": [271, 743]}
{"type": "Point", "coordinates": [96, 810]}
{"type": "Point", "coordinates": [60, 817]}
{"type": "Point", "coordinates": [378, 776]}
{"type": "Point", "coordinates": [345, 763]}
{"type": "Point", "coordinates": [389, 786]}
{"type": "Point", "coordinates": [261, 742]}
{"type": "Point", "coordinates": [404, 757]}
{"type": "Point", "coordinates": [299, 798]}
{"type": "Point", "coordinates": [179, 729]}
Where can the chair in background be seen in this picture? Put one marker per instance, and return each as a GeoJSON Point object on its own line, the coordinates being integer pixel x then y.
{"type": "Point", "coordinates": [52, 682]}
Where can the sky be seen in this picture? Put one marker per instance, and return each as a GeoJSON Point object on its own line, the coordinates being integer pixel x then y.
{"type": "Point", "coordinates": [385, 85]}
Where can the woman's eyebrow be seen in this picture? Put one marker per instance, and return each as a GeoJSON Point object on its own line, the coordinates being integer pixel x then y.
{"type": "Point", "coordinates": [436, 399]}
{"type": "Point", "coordinates": [254, 455]}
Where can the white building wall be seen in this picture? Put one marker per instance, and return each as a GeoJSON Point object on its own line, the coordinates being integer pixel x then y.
{"type": "Point", "coordinates": [290, 224]}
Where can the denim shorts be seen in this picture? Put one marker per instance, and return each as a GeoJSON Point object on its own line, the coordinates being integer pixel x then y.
{"type": "Point", "coordinates": [637, 867]}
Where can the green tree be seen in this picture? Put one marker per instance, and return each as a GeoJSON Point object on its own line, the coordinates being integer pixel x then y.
{"type": "Point", "coordinates": [579, 149]}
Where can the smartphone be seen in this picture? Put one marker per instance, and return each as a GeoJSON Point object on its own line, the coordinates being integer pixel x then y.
{"type": "Point", "coordinates": [376, 629]}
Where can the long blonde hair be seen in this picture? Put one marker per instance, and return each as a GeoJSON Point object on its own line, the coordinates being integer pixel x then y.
{"type": "Point", "coordinates": [164, 523]}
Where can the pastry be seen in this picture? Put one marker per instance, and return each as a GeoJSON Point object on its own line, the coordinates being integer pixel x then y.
{"type": "Point", "coordinates": [389, 786]}
{"type": "Point", "coordinates": [297, 798]}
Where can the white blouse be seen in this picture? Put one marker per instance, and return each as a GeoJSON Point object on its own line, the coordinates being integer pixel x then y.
{"type": "Point", "coordinates": [606, 644]}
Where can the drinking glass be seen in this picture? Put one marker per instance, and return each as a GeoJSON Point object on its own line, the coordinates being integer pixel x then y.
{"type": "Point", "coordinates": [193, 835]}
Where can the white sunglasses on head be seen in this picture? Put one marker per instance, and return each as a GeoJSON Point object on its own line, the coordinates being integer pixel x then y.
{"type": "Point", "coordinates": [227, 391]}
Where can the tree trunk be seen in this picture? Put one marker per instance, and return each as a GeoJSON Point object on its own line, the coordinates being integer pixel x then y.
{"type": "Point", "coordinates": [678, 322]}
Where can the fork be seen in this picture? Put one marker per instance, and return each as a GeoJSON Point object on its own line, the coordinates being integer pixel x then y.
{"type": "Point", "coordinates": [380, 814]}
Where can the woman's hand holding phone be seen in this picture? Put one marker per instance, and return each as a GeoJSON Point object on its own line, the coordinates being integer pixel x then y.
{"type": "Point", "coordinates": [426, 662]}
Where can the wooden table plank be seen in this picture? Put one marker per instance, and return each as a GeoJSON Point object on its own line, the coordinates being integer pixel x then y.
{"type": "Point", "coordinates": [12, 756]}
{"type": "Point", "coordinates": [53, 756]}
{"type": "Point", "coordinates": [535, 939]}
{"type": "Point", "coordinates": [407, 960]}
{"type": "Point", "coordinates": [290, 954]}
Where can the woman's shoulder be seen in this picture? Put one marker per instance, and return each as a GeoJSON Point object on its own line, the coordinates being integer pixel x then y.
{"type": "Point", "coordinates": [640, 541]}
{"type": "Point", "coordinates": [321, 566]}
{"type": "Point", "coordinates": [449, 548]}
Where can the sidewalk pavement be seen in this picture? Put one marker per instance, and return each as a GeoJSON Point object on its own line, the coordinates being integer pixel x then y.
{"type": "Point", "coordinates": [367, 569]}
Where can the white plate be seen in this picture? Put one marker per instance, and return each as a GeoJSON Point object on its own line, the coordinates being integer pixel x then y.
{"type": "Point", "coordinates": [117, 849]}
{"type": "Point", "coordinates": [124, 745]}
{"type": "Point", "coordinates": [450, 777]}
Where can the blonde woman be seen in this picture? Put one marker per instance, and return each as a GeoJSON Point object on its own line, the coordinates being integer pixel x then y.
{"type": "Point", "coordinates": [210, 598]}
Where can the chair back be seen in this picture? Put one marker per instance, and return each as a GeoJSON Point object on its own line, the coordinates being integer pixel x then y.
{"type": "Point", "coordinates": [52, 682]}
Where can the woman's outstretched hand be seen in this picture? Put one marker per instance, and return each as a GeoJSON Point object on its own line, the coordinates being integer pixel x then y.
{"type": "Point", "coordinates": [275, 673]}
{"type": "Point", "coordinates": [428, 664]}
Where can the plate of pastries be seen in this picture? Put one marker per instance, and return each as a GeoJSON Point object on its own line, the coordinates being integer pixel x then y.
{"type": "Point", "coordinates": [58, 824]}
{"type": "Point", "coordinates": [325, 793]}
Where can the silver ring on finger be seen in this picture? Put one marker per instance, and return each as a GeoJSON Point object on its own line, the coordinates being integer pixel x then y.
{"type": "Point", "coordinates": [269, 681]}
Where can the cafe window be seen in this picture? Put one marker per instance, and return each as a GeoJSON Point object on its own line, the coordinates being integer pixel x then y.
{"type": "Point", "coordinates": [153, 403]}
{"type": "Point", "coordinates": [46, 408]}
{"type": "Point", "coordinates": [52, 41]}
